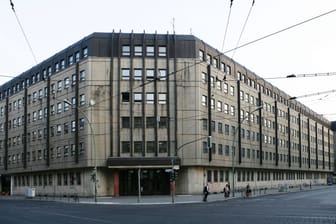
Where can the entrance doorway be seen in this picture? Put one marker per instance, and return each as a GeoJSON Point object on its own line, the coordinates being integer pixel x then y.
{"type": "Point", "coordinates": [153, 182]}
{"type": "Point", "coordinates": [5, 185]}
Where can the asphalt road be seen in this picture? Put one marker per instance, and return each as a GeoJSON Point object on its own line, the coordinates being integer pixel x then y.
{"type": "Point", "coordinates": [317, 206]}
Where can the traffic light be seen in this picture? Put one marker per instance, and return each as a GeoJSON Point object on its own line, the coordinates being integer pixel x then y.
{"type": "Point", "coordinates": [173, 175]}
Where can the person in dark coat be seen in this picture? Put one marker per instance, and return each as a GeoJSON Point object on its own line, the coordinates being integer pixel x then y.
{"type": "Point", "coordinates": [205, 192]}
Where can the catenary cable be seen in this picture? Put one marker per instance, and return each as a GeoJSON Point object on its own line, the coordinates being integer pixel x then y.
{"type": "Point", "coordinates": [241, 33]}
{"type": "Point", "coordinates": [227, 25]}
{"type": "Point", "coordinates": [23, 32]}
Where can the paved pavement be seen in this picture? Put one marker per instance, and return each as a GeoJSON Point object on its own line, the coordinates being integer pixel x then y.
{"type": "Point", "coordinates": [164, 199]}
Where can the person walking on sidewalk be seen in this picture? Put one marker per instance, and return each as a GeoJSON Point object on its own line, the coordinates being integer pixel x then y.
{"type": "Point", "coordinates": [205, 192]}
{"type": "Point", "coordinates": [226, 191]}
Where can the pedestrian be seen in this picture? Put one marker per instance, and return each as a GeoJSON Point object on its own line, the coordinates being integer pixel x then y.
{"type": "Point", "coordinates": [248, 191]}
{"type": "Point", "coordinates": [205, 192]}
{"type": "Point", "coordinates": [227, 191]}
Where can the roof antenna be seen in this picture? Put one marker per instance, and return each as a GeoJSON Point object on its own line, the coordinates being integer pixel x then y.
{"type": "Point", "coordinates": [173, 23]}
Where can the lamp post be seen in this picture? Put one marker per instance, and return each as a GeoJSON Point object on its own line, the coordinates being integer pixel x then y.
{"type": "Point", "coordinates": [94, 174]}
{"type": "Point", "coordinates": [173, 160]}
{"type": "Point", "coordinates": [234, 151]}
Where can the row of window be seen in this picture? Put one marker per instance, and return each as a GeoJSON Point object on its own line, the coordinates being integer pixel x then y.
{"type": "Point", "coordinates": [71, 178]}
{"type": "Point", "coordinates": [249, 81]}
{"type": "Point", "coordinates": [139, 50]}
{"type": "Point", "coordinates": [55, 153]}
{"type": "Point", "coordinates": [215, 176]}
{"type": "Point", "coordinates": [138, 122]}
{"type": "Point", "coordinates": [18, 104]}
{"type": "Point", "coordinates": [137, 74]}
{"type": "Point", "coordinates": [42, 133]}
{"type": "Point", "coordinates": [141, 147]}
{"type": "Point", "coordinates": [252, 153]}
{"type": "Point", "coordinates": [45, 72]}
{"type": "Point", "coordinates": [138, 97]}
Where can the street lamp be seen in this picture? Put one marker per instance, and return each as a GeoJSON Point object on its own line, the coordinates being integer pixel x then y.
{"type": "Point", "coordinates": [94, 174]}
{"type": "Point", "coordinates": [234, 151]}
{"type": "Point", "coordinates": [173, 160]}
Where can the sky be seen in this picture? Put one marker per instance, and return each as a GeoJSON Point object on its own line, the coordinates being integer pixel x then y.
{"type": "Point", "coordinates": [52, 25]}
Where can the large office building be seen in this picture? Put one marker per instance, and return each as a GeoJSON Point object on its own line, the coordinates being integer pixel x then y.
{"type": "Point", "coordinates": [118, 109]}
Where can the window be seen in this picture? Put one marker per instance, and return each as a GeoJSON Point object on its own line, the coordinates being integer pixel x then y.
{"type": "Point", "coordinates": [59, 107]}
{"type": "Point", "coordinates": [232, 90]}
{"type": "Point", "coordinates": [150, 122]}
{"type": "Point", "coordinates": [150, 98]}
{"type": "Point", "coordinates": [34, 116]}
{"type": "Point", "coordinates": [226, 108]}
{"type": "Point", "coordinates": [77, 56]}
{"type": "Point", "coordinates": [62, 64]}
{"type": "Point", "coordinates": [66, 82]}
{"type": "Point", "coordinates": [208, 59]}
{"type": "Point", "coordinates": [227, 129]}
{"type": "Point", "coordinates": [162, 51]}
{"type": "Point", "coordinates": [138, 122]}
{"type": "Point", "coordinates": [219, 84]}
{"type": "Point", "coordinates": [150, 74]}
{"type": "Point", "coordinates": [82, 99]}
{"type": "Point", "coordinates": [70, 59]}
{"type": "Point", "coordinates": [125, 122]}
{"type": "Point", "coordinates": [52, 109]}
{"type": "Point", "coordinates": [204, 77]}
{"type": "Point", "coordinates": [215, 62]}
{"type": "Point", "coordinates": [162, 74]}
{"type": "Point", "coordinates": [220, 127]}
{"type": "Point", "coordinates": [125, 73]}
{"type": "Point", "coordinates": [137, 74]}
{"type": "Point", "coordinates": [126, 50]}
{"type": "Point", "coordinates": [138, 146]}
{"type": "Point", "coordinates": [163, 146]}
{"type": "Point", "coordinates": [137, 50]}
{"type": "Point", "coordinates": [162, 98]}
{"type": "Point", "coordinates": [204, 100]}
{"type": "Point", "coordinates": [73, 126]}
{"type": "Point", "coordinates": [85, 52]}
{"type": "Point", "coordinates": [125, 147]}
{"type": "Point", "coordinates": [82, 75]}
{"type": "Point", "coordinates": [137, 97]}
{"type": "Point", "coordinates": [232, 110]}
{"type": "Point", "coordinates": [81, 123]}
{"type": "Point", "coordinates": [66, 106]}
{"type": "Point", "coordinates": [163, 122]}
{"type": "Point", "coordinates": [59, 129]}
{"type": "Point", "coordinates": [74, 79]}
{"type": "Point", "coordinates": [150, 147]}
{"type": "Point", "coordinates": [40, 114]}
{"type": "Point", "coordinates": [150, 51]}
{"type": "Point", "coordinates": [219, 106]}
{"type": "Point", "coordinates": [73, 149]}
{"type": "Point", "coordinates": [66, 128]}
{"type": "Point", "coordinates": [220, 149]}
{"type": "Point", "coordinates": [125, 97]}
{"type": "Point", "coordinates": [57, 68]}
{"type": "Point", "coordinates": [201, 55]}
{"type": "Point", "coordinates": [59, 85]}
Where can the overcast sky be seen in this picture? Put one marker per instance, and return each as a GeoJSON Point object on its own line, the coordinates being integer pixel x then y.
{"type": "Point", "coordinates": [307, 49]}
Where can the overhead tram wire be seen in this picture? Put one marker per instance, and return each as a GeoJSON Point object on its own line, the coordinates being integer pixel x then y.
{"type": "Point", "coordinates": [280, 31]}
{"type": "Point", "coordinates": [243, 45]}
{"type": "Point", "coordinates": [227, 25]}
{"type": "Point", "coordinates": [22, 30]}
{"type": "Point", "coordinates": [241, 33]}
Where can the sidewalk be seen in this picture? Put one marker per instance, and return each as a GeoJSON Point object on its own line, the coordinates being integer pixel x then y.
{"type": "Point", "coordinates": [162, 199]}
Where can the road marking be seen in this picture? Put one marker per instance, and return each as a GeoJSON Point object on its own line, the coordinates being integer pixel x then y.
{"type": "Point", "coordinates": [79, 217]}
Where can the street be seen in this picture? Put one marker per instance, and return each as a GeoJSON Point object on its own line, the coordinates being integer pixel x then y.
{"type": "Point", "coordinates": [316, 206]}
